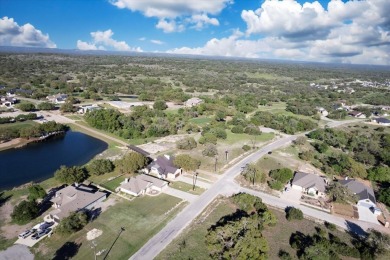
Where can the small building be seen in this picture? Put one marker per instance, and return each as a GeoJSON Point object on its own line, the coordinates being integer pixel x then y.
{"type": "Point", "coordinates": [381, 121]}
{"type": "Point", "coordinates": [20, 91]}
{"type": "Point", "coordinates": [365, 194]}
{"type": "Point", "coordinates": [58, 98]}
{"type": "Point", "coordinates": [309, 183]}
{"type": "Point", "coordinates": [193, 102]}
{"type": "Point", "coordinates": [141, 184]}
{"type": "Point", "coordinates": [7, 101]}
{"type": "Point", "coordinates": [356, 114]}
{"type": "Point", "coordinates": [74, 198]}
{"type": "Point", "coordinates": [322, 111]}
{"type": "Point", "coordinates": [88, 108]}
{"type": "Point", "coordinates": [164, 168]}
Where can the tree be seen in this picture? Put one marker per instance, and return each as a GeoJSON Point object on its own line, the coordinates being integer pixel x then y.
{"type": "Point", "coordinates": [210, 150]}
{"type": "Point", "coordinates": [36, 192]}
{"type": "Point", "coordinates": [131, 163]}
{"type": "Point", "coordinates": [26, 106]}
{"type": "Point", "coordinates": [186, 162]}
{"type": "Point", "coordinates": [253, 174]}
{"type": "Point", "coordinates": [67, 107]}
{"type": "Point", "coordinates": [24, 212]}
{"type": "Point", "coordinates": [187, 143]}
{"type": "Point", "coordinates": [377, 242]}
{"type": "Point", "coordinates": [384, 196]}
{"type": "Point", "coordinates": [380, 173]}
{"type": "Point", "coordinates": [341, 194]}
{"type": "Point", "coordinates": [100, 166]}
{"type": "Point", "coordinates": [220, 116]}
{"type": "Point", "coordinates": [160, 105]}
{"type": "Point", "coordinates": [70, 175]}
{"type": "Point", "coordinates": [283, 175]}
{"type": "Point", "coordinates": [237, 129]}
{"type": "Point", "coordinates": [46, 106]}
{"type": "Point", "coordinates": [294, 213]}
{"type": "Point", "coordinates": [73, 223]}
{"type": "Point", "coordinates": [301, 140]}
{"type": "Point", "coordinates": [208, 138]}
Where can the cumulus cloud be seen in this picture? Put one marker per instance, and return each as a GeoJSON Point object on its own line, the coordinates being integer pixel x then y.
{"type": "Point", "coordinates": [174, 15]}
{"type": "Point", "coordinates": [157, 42]}
{"type": "Point", "coordinates": [350, 32]}
{"type": "Point", "coordinates": [11, 34]}
{"type": "Point", "coordinates": [102, 40]}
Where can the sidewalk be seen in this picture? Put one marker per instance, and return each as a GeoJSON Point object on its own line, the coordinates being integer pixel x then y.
{"type": "Point", "coordinates": [189, 180]}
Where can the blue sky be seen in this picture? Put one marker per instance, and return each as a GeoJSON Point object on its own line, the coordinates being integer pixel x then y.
{"type": "Point", "coordinates": [329, 31]}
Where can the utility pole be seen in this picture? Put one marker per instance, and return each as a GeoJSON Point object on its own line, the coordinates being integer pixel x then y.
{"type": "Point", "coordinates": [194, 178]}
{"type": "Point", "coordinates": [94, 248]}
{"type": "Point", "coordinates": [215, 165]}
{"type": "Point", "coordinates": [226, 153]}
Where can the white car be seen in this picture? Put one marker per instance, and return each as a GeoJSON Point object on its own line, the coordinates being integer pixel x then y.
{"type": "Point", "coordinates": [26, 233]}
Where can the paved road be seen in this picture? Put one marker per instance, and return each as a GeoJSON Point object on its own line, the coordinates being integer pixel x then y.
{"type": "Point", "coordinates": [16, 252]}
{"type": "Point", "coordinates": [226, 184]}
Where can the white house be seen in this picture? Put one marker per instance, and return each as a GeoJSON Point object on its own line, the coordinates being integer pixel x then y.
{"type": "Point", "coordinates": [366, 194]}
{"type": "Point", "coordinates": [309, 183]}
{"type": "Point", "coordinates": [357, 114]}
{"type": "Point", "coordinates": [141, 184]}
{"type": "Point", "coordinates": [164, 168]}
{"type": "Point", "coordinates": [58, 98]}
{"type": "Point", "coordinates": [84, 109]}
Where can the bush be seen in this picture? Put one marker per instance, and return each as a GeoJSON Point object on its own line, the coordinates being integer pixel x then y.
{"type": "Point", "coordinates": [46, 106]}
{"type": "Point", "coordinates": [70, 175]}
{"type": "Point", "coordinates": [160, 105]}
{"type": "Point", "coordinates": [294, 213]}
{"type": "Point", "coordinates": [252, 130]}
{"type": "Point", "coordinates": [275, 185]}
{"type": "Point", "coordinates": [237, 129]}
{"type": "Point", "coordinates": [246, 147]}
{"type": "Point", "coordinates": [330, 226]}
{"type": "Point", "coordinates": [220, 133]}
{"type": "Point", "coordinates": [26, 106]}
{"type": "Point", "coordinates": [284, 255]}
{"type": "Point", "coordinates": [210, 150]}
{"type": "Point", "coordinates": [282, 175]}
{"type": "Point", "coordinates": [187, 143]}
{"type": "Point", "coordinates": [24, 212]}
{"type": "Point", "coordinates": [73, 223]}
{"type": "Point", "coordinates": [208, 138]}
{"type": "Point", "coordinates": [36, 192]}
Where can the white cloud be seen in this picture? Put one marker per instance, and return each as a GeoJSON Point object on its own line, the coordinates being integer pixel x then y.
{"type": "Point", "coordinates": [157, 42]}
{"type": "Point", "coordinates": [142, 39]}
{"type": "Point", "coordinates": [173, 15]}
{"type": "Point", "coordinates": [102, 40]}
{"type": "Point", "coordinates": [11, 34]}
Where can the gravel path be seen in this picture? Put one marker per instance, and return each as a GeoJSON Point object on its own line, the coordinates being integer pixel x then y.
{"type": "Point", "coordinates": [16, 252]}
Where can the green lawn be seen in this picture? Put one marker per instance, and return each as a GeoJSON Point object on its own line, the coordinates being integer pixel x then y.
{"type": "Point", "coordinates": [267, 163]}
{"type": "Point", "coordinates": [18, 125]}
{"type": "Point", "coordinates": [179, 185]}
{"type": "Point", "coordinates": [141, 219]}
{"type": "Point", "coordinates": [201, 121]}
{"type": "Point", "coordinates": [113, 184]}
{"type": "Point", "coordinates": [234, 138]}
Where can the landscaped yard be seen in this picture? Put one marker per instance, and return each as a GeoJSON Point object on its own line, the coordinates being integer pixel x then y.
{"type": "Point", "coordinates": [113, 184]}
{"type": "Point", "coordinates": [140, 218]}
{"type": "Point", "coordinates": [179, 185]}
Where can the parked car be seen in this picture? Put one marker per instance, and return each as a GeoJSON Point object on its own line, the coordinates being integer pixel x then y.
{"type": "Point", "coordinates": [46, 225]}
{"type": "Point", "coordinates": [26, 233]}
{"type": "Point", "coordinates": [41, 233]}
{"type": "Point", "coordinates": [270, 152]}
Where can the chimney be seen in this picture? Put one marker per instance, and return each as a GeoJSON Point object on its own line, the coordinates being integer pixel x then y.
{"type": "Point", "coordinates": [126, 180]}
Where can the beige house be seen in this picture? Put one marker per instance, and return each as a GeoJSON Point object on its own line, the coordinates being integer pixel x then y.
{"type": "Point", "coordinates": [74, 198]}
{"type": "Point", "coordinates": [141, 184]}
{"type": "Point", "coordinates": [164, 168]}
{"type": "Point", "coordinates": [309, 183]}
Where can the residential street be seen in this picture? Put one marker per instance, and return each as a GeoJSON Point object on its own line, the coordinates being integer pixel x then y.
{"type": "Point", "coordinates": [226, 185]}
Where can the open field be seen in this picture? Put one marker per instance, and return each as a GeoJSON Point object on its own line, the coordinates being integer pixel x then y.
{"type": "Point", "coordinates": [191, 243]}
{"type": "Point", "coordinates": [18, 125]}
{"type": "Point", "coordinates": [201, 121]}
{"type": "Point", "coordinates": [140, 218]}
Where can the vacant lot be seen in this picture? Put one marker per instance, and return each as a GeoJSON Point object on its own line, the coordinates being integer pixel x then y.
{"type": "Point", "coordinates": [179, 185]}
{"type": "Point", "coordinates": [141, 219]}
{"type": "Point", "coordinates": [191, 243]}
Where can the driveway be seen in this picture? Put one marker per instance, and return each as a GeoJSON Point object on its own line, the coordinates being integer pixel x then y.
{"type": "Point", "coordinates": [16, 252]}
{"type": "Point", "coordinates": [291, 195]}
{"type": "Point", "coordinates": [28, 241]}
{"type": "Point", "coordinates": [365, 214]}
{"type": "Point", "coordinates": [180, 194]}
{"type": "Point", "coordinates": [189, 180]}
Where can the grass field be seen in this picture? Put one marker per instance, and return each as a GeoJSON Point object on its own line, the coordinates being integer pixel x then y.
{"type": "Point", "coordinates": [235, 138]}
{"type": "Point", "coordinates": [179, 185]}
{"type": "Point", "coordinates": [113, 184]}
{"type": "Point", "coordinates": [140, 218]}
{"type": "Point", "coordinates": [18, 125]}
{"type": "Point", "coordinates": [200, 121]}
{"type": "Point", "coordinates": [194, 246]}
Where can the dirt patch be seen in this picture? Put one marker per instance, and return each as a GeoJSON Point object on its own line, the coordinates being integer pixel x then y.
{"type": "Point", "coordinates": [10, 231]}
{"type": "Point", "coordinates": [345, 210]}
{"type": "Point", "coordinates": [17, 142]}
{"type": "Point", "coordinates": [111, 201]}
{"type": "Point", "coordinates": [162, 144]}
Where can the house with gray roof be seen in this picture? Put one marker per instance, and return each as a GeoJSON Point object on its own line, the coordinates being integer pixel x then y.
{"type": "Point", "coordinates": [74, 198]}
{"type": "Point", "coordinates": [141, 184]}
{"type": "Point", "coordinates": [164, 168]}
{"type": "Point", "coordinates": [309, 183]}
{"type": "Point", "coordinates": [381, 121]}
{"type": "Point", "coordinates": [366, 194]}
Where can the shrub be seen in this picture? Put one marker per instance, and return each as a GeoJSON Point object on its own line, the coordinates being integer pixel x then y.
{"type": "Point", "coordinates": [282, 175]}
{"type": "Point", "coordinates": [284, 255]}
{"type": "Point", "coordinates": [210, 150]}
{"type": "Point", "coordinates": [70, 175]}
{"type": "Point", "coordinates": [36, 192]}
{"type": "Point", "coordinates": [330, 226]}
{"type": "Point", "coordinates": [24, 212]}
{"type": "Point", "coordinates": [208, 138]}
{"type": "Point", "coordinates": [100, 166]}
{"type": "Point", "coordinates": [73, 223]}
{"type": "Point", "coordinates": [187, 143]}
{"type": "Point", "coordinates": [237, 129]}
{"type": "Point", "coordinates": [246, 147]}
{"type": "Point", "coordinates": [275, 185]}
{"type": "Point", "coordinates": [294, 213]}
{"type": "Point", "coordinates": [252, 130]}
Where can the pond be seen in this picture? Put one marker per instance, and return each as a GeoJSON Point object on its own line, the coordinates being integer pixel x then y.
{"type": "Point", "coordinates": [37, 162]}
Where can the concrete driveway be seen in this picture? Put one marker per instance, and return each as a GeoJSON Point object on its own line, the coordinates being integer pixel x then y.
{"type": "Point", "coordinates": [365, 214]}
{"type": "Point", "coordinates": [291, 195]}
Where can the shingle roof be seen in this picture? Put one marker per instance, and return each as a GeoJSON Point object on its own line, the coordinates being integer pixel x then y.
{"type": "Point", "coordinates": [382, 120]}
{"type": "Point", "coordinates": [73, 198]}
{"type": "Point", "coordinates": [164, 165]}
{"type": "Point", "coordinates": [308, 180]}
{"type": "Point", "coordinates": [364, 192]}
{"type": "Point", "coordinates": [142, 182]}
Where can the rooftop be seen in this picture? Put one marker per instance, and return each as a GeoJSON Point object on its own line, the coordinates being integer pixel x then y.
{"type": "Point", "coordinates": [358, 188]}
{"type": "Point", "coordinates": [308, 180]}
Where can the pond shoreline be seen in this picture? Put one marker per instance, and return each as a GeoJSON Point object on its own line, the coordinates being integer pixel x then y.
{"type": "Point", "coordinates": [22, 142]}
